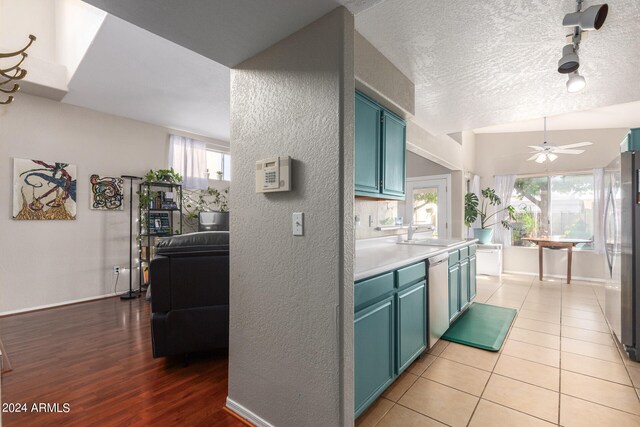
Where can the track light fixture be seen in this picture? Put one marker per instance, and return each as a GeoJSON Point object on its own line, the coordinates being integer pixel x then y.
{"type": "Point", "coordinates": [592, 18]}
{"type": "Point", "coordinates": [569, 61]}
{"type": "Point", "coordinates": [576, 82]}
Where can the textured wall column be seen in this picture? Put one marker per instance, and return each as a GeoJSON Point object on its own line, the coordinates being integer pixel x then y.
{"type": "Point", "coordinates": [291, 332]}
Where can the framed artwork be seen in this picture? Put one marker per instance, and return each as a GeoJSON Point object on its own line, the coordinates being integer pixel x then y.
{"type": "Point", "coordinates": [44, 190]}
{"type": "Point", "coordinates": [107, 193]}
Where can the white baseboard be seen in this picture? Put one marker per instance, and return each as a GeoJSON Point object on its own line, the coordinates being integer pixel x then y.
{"type": "Point", "coordinates": [57, 304]}
{"type": "Point", "coordinates": [247, 414]}
{"type": "Point", "coordinates": [555, 276]}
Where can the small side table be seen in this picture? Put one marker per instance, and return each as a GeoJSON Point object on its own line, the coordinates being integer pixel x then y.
{"type": "Point", "coordinates": [555, 243]}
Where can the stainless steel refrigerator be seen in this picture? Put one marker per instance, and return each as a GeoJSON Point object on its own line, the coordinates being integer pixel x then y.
{"type": "Point", "coordinates": [622, 240]}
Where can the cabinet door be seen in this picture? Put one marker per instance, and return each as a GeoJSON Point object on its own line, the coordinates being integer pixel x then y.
{"type": "Point", "coordinates": [367, 138]}
{"type": "Point", "coordinates": [374, 352]}
{"type": "Point", "coordinates": [454, 290]}
{"type": "Point", "coordinates": [464, 283]}
{"type": "Point", "coordinates": [412, 324]}
{"type": "Point", "coordinates": [393, 156]}
{"type": "Point", "coordinates": [472, 278]}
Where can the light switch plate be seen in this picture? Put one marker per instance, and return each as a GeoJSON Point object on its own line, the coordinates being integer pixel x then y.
{"type": "Point", "coordinates": [298, 223]}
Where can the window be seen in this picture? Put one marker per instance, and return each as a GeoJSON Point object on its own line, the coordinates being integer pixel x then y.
{"type": "Point", "coordinates": [218, 165]}
{"type": "Point", "coordinates": [559, 206]}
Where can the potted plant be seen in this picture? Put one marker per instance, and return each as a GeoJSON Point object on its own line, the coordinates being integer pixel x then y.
{"type": "Point", "coordinates": [209, 200]}
{"type": "Point", "coordinates": [219, 174]}
{"type": "Point", "coordinates": [163, 175]}
{"type": "Point", "coordinates": [473, 210]}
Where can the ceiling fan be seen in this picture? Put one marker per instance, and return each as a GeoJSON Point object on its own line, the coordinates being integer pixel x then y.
{"type": "Point", "coordinates": [546, 151]}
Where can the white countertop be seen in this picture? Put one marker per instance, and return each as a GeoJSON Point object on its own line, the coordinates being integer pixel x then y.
{"type": "Point", "coordinates": [376, 256]}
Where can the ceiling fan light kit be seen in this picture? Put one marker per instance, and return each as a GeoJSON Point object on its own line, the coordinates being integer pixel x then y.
{"type": "Point", "coordinates": [546, 152]}
{"type": "Point", "coordinates": [590, 19]}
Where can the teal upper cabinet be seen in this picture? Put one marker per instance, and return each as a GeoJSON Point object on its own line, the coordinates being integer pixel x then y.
{"type": "Point", "coordinates": [393, 155]}
{"type": "Point", "coordinates": [380, 139]}
{"type": "Point", "coordinates": [367, 132]}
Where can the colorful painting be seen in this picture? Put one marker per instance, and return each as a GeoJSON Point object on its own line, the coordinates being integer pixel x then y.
{"type": "Point", "coordinates": [43, 190]}
{"type": "Point", "coordinates": [107, 193]}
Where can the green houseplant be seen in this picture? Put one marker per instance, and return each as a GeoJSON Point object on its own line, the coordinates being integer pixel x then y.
{"type": "Point", "coordinates": [474, 209]}
{"type": "Point", "coordinates": [163, 175]}
{"type": "Point", "coordinates": [209, 200]}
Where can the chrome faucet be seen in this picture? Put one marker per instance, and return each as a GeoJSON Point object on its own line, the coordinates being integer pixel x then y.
{"type": "Point", "coordinates": [410, 231]}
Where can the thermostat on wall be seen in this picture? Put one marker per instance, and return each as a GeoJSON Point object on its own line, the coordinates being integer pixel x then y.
{"type": "Point", "coordinates": [273, 175]}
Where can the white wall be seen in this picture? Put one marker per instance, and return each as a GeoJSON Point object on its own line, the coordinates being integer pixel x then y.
{"type": "Point", "coordinates": [506, 153]}
{"type": "Point", "coordinates": [442, 149]}
{"type": "Point", "coordinates": [377, 77]}
{"type": "Point", "coordinates": [291, 298]}
{"type": "Point", "coordinates": [420, 166]}
{"type": "Point", "coordinates": [51, 262]}
{"type": "Point", "coordinates": [64, 30]}
{"type": "Point", "coordinates": [77, 24]}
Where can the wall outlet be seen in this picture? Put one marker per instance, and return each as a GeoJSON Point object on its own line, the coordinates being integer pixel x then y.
{"type": "Point", "coordinates": [116, 270]}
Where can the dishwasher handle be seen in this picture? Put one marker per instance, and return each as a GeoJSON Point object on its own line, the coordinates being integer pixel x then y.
{"type": "Point", "coordinates": [438, 259]}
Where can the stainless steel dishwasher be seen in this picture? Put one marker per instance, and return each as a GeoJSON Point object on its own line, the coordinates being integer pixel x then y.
{"type": "Point", "coordinates": [438, 296]}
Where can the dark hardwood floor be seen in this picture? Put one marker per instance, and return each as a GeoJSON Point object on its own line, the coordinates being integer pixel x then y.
{"type": "Point", "coordinates": [96, 356]}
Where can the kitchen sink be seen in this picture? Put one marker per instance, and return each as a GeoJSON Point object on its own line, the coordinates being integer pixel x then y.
{"type": "Point", "coordinates": [431, 242]}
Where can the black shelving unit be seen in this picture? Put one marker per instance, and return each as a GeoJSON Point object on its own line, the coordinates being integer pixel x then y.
{"type": "Point", "coordinates": [146, 239]}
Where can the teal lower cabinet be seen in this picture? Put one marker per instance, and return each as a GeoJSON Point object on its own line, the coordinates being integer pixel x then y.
{"type": "Point", "coordinates": [464, 283]}
{"type": "Point", "coordinates": [390, 329]}
{"type": "Point", "coordinates": [412, 324]}
{"type": "Point", "coordinates": [454, 290]}
{"type": "Point", "coordinates": [472, 277]}
{"type": "Point", "coordinates": [374, 352]}
{"type": "Point", "coordinates": [462, 280]}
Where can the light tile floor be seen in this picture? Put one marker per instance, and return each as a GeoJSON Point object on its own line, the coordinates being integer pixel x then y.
{"type": "Point", "coordinates": [560, 365]}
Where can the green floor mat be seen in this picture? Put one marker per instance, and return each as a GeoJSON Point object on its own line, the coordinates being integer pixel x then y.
{"type": "Point", "coordinates": [481, 325]}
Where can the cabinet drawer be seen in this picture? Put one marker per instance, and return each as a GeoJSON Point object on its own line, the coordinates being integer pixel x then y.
{"type": "Point", "coordinates": [411, 274]}
{"type": "Point", "coordinates": [371, 289]}
{"type": "Point", "coordinates": [454, 257]}
{"type": "Point", "coordinates": [472, 250]}
{"type": "Point", "coordinates": [464, 252]}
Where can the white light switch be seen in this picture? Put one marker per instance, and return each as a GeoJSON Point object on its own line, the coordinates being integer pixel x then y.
{"type": "Point", "coordinates": [298, 224]}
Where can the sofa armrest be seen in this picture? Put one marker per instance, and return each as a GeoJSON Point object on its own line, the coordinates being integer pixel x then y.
{"type": "Point", "coordinates": [160, 282]}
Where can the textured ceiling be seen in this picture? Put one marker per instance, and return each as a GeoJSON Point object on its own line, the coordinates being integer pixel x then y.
{"type": "Point", "coordinates": [483, 63]}
{"type": "Point", "coordinates": [133, 73]}
{"type": "Point", "coordinates": [226, 31]}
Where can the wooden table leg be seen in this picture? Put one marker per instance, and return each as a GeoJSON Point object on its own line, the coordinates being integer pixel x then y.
{"type": "Point", "coordinates": [540, 261]}
{"type": "Point", "coordinates": [569, 256]}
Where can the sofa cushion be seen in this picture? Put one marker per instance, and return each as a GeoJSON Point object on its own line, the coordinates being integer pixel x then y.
{"type": "Point", "coordinates": [194, 243]}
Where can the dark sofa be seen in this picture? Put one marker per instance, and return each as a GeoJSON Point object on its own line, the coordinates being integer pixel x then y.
{"type": "Point", "coordinates": [190, 294]}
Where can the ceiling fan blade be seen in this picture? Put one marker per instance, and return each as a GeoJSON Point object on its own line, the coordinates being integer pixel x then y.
{"type": "Point", "coordinates": [536, 147]}
{"type": "Point", "coordinates": [535, 156]}
{"type": "Point", "coordinates": [576, 145]}
{"type": "Point", "coordinates": [563, 151]}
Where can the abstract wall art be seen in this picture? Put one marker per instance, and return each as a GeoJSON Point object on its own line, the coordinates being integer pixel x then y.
{"type": "Point", "coordinates": [107, 193]}
{"type": "Point", "coordinates": [43, 190]}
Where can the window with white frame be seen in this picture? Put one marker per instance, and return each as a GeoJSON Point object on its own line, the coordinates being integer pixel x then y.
{"type": "Point", "coordinates": [556, 205]}
{"type": "Point", "coordinates": [218, 165]}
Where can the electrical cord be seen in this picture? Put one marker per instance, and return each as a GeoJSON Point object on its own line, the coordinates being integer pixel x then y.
{"type": "Point", "coordinates": [115, 287]}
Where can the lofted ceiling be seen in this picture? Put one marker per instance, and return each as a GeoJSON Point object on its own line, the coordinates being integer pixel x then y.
{"type": "Point", "coordinates": [130, 72]}
{"type": "Point", "coordinates": [474, 64]}
{"type": "Point", "coordinates": [226, 31]}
